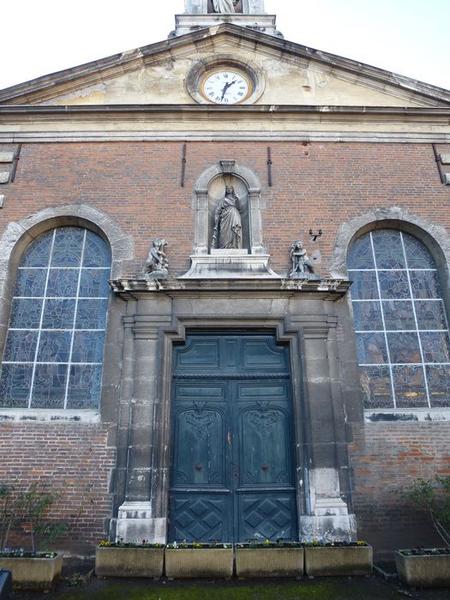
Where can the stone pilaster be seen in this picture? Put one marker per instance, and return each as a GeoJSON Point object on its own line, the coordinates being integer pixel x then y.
{"type": "Point", "coordinates": [136, 519]}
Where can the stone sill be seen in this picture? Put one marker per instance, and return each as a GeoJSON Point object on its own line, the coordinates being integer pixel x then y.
{"type": "Point", "coordinates": [399, 415]}
{"type": "Point", "coordinates": [25, 415]}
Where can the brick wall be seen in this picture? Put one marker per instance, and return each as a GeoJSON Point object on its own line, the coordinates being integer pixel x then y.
{"type": "Point", "coordinates": [386, 458]}
{"type": "Point", "coordinates": [75, 461]}
{"type": "Point", "coordinates": [315, 186]}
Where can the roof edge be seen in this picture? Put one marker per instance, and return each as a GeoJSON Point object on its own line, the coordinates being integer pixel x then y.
{"type": "Point", "coordinates": [128, 57]}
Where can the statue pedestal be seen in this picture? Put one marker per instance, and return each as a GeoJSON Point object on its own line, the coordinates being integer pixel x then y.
{"type": "Point", "coordinates": [191, 22]}
{"type": "Point", "coordinates": [230, 264]}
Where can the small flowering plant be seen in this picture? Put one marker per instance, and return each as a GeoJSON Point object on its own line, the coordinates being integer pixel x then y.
{"type": "Point", "coordinates": [184, 545]}
{"type": "Point", "coordinates": [320, 544]}
{"type": "Point", "coordinates": [269, 544]}
{"type": "Point", "coordinates": [121, 544]}
{"type": "Point", "coordinates": [426, 552]}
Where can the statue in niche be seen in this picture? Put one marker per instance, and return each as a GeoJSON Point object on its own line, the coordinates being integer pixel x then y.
{"type": "Point", "coordinates": [228, 222]}
{"type": "Point", "coordinates": [302, 266]}
{"type": "Point", "coordinates": [225, 6]}
{"type": "Point", "coordinates": [157, 265]}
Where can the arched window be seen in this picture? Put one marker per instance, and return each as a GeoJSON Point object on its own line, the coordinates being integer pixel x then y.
{"type": "Point", "coordinates": [54, 348]}
{"type": "Point", "coordinates": [400, 321]}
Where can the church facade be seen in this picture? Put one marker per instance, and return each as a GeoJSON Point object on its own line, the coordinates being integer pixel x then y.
{"type": "Point", "coordinates": [225, 290]}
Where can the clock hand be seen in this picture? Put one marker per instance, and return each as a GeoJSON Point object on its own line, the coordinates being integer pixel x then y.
{"type": "Point", "coordinates": [226, 87]}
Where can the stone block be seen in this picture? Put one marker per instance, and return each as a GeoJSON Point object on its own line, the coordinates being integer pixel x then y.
{"type": "Point", "coordinates": [342, 561]}
{"type": "Point", "coordinates": [4, 176]}
{"type": "Point", "coordinates": [269, 562]}
{"type": "Point", "coordinates": [445, 159]}
{"type": "Point", "coordinates": [198, 563]}
{"type": "Point", "coordinates": [329, 528]}
{"type": "Point", "coordinates": [2, 200]}
{"type": "Point", "coordinates": [33, 573]}
{"type": "Point", "coordinates": [129, 562]}
{"type": "Point", "coordinates": [447, 178]}
{"type": "Point", "coordinates": [424, 571]}
{"type": "Point", "coordinates": [6, 157]}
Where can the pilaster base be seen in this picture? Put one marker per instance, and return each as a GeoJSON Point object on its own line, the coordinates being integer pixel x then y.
{"type": "Point", "coordinates": [326, 529]}
{"type": "Point", "coordinates": [135, 524]}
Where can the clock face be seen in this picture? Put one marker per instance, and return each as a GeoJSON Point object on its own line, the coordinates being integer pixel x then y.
{"type": "Point", "coordinates": [226, 87]}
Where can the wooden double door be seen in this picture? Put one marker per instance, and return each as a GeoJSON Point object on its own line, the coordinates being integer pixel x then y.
{"type": "Point", "coordinates": [233, 441]}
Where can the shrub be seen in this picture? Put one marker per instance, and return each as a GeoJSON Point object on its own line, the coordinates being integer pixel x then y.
{"type": "Point", "coordinates": [433, 498]}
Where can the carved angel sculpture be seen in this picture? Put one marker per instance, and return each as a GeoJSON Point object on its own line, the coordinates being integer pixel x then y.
{"type": "Point", "coordinates": [157, 265]}
{"type": "Point", "coordinates": [302, 266]}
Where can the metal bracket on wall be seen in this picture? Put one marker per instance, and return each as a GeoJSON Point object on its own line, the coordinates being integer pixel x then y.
{"type": "Point", "coordinates": [15, 162]}
{"type": "Point", "coordinates": [269, 166]}
{"type": "Point", "coordinates": [445, 177]}
{"type": "Point", "coordinates": [183, 163]}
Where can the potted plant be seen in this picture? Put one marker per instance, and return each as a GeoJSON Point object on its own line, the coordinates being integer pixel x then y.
{"type": "Point", "coordinates": [338, 558]}
{"type": "Point", "coordinates": [429, 567]}
{"type": "Point", "coordinates": [198, 560]}
{"type": "Point", "coordinates": [129, 560]}
{"type": "Point", "coordinates": [31, 569]}
{"type": "Point", "coordinates": [269, 559]}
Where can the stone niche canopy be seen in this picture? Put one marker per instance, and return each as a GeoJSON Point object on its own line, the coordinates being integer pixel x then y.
{"type": "Point", "coordinates": [210, 260]}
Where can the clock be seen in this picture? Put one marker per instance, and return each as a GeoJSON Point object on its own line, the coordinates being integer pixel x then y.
{"type": "Point", "coordinates": [226, 86]}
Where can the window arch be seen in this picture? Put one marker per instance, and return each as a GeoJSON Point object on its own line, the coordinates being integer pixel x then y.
{"type": "Point", "coordinates": [53, 353]}
{"type": "Point", "coordinates": [400, 321]}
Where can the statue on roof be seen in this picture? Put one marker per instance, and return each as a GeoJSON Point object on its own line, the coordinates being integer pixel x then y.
{"type": "Point", "coordinates": [225, 6]}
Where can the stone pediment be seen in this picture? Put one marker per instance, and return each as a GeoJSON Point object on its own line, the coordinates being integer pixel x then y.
{"type": "Point", "coordinates": [288, 74]}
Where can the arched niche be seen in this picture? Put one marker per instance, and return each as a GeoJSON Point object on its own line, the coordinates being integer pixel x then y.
{"type": "Point", "coordinates": [210, 189]}
{"type": "Point", "coordinates": [209, 262]}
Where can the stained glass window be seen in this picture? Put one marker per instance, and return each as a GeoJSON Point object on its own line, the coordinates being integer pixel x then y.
{"type": "Point", "coordinates": [54, 348]}
{"type": "Point", "coordinates": [402, 333]}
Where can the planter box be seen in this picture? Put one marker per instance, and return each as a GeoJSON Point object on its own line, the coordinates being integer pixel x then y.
{"type": "Point", "coordinates": [424, 571]}
{"type": "Point", "coordinates": [129, 562]}
{"type": "Point", "coordinates": [338, 560]}
{"type": "Point", "coordinates": [33, 573]}
{"type": "Point", "coordinates": [192, 563]}
{"type": "Point", "coordinates": [269, 562]}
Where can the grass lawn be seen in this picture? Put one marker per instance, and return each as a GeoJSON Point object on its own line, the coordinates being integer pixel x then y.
{"type": "Point", "coordinates": [318, 589]}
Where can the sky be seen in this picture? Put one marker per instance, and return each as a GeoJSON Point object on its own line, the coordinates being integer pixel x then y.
{"type": "Point", "coordinates": [409, 37]}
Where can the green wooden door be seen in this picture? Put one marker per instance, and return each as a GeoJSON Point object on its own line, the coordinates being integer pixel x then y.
{"type": "Point", "coordinates": [233, 452]}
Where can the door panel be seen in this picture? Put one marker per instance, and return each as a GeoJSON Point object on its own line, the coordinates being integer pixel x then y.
{"type": "Point", "coordinates": [233, 473]}
{"type": "Point", "coordinates": [200, 516]}
{"type": "Point", "coordinates": [267, 516]}
{"type": "Point", "coordinates": [264, 457]}
{"type": "Point", "coordinates": [199, 448]}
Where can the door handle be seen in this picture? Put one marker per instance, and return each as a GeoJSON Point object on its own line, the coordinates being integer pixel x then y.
{"type": "Point", "coordinates": [229, 439]}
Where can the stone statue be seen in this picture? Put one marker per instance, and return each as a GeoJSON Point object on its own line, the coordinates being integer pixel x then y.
{"type": "Point", "coordinates": [228, 222]}
{"type": "Point", "coordinates": [157, 265]}
{"type": "Point", "coordinates": [302, 266]}
{"type": "Point", "coordinates": [224, 6]}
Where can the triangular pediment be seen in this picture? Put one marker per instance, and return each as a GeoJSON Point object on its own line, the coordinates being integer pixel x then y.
{"type": "Point", "coordinates": [288, 74]}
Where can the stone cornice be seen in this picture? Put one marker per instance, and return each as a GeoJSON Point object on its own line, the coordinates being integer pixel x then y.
{"type": "Point", "coordinates": [247, 109]}
{"type": "Point", "coordinates": [206, 123]}
{"type": "Point", "coordinates": [329, 289]}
